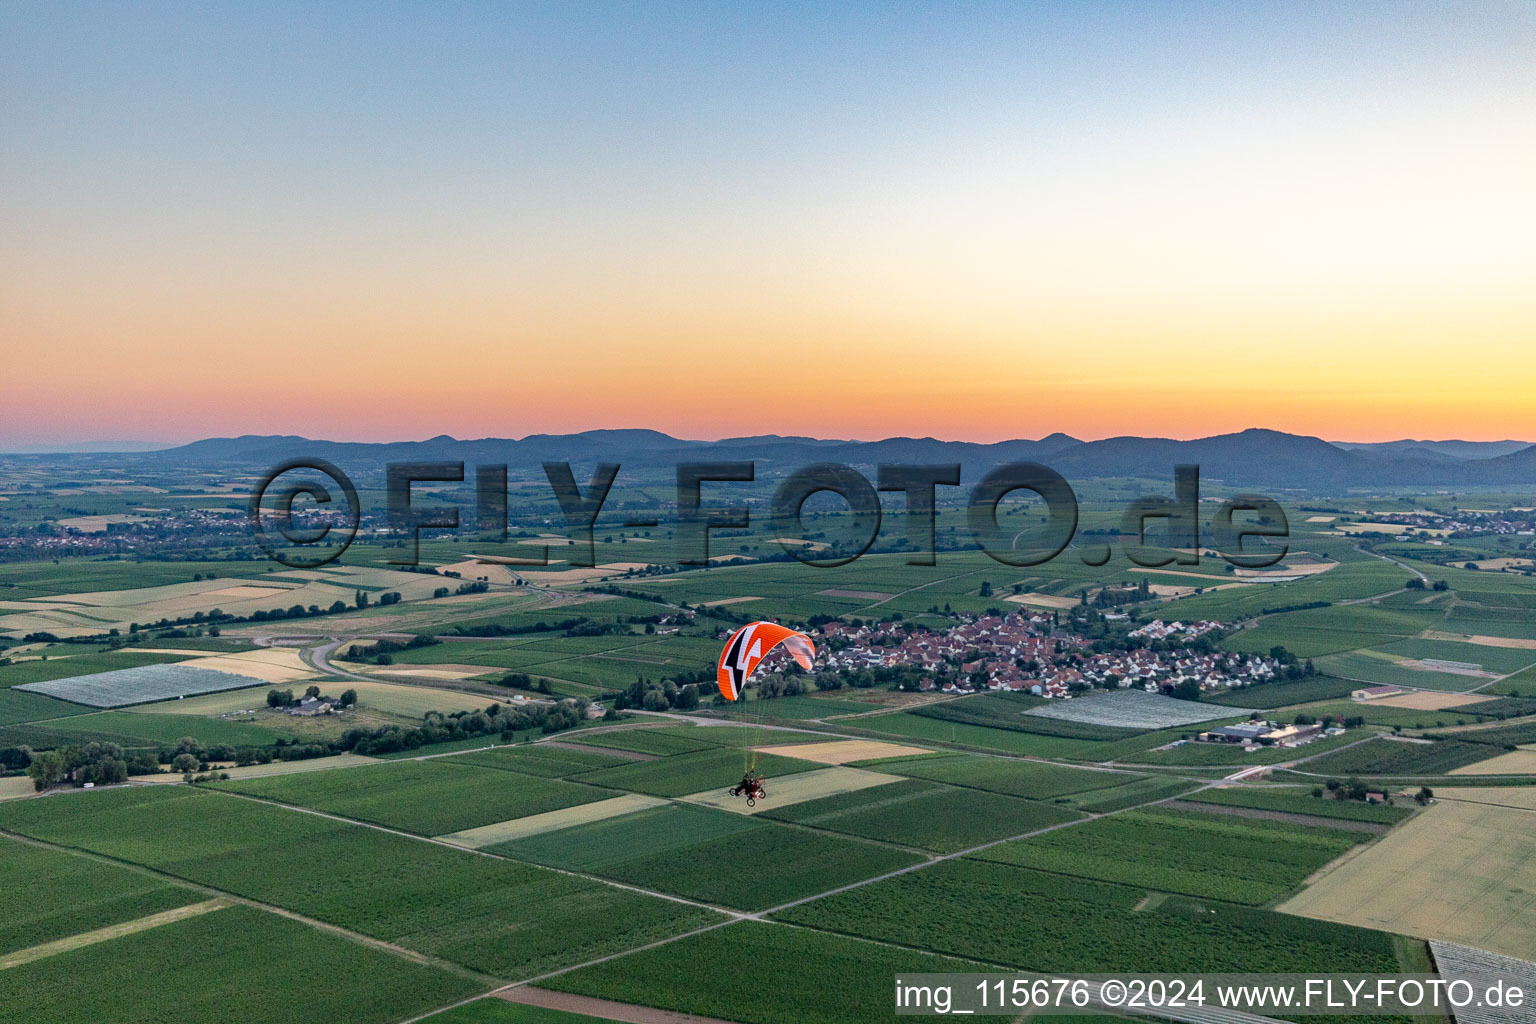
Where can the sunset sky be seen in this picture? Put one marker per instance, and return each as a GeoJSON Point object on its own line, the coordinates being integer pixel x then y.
{"type": "Point", "coordinates": [381, 221]}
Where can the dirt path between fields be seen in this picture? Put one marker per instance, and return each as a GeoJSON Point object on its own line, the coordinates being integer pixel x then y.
{"type": "Point", "coordinates": [605, 1009]}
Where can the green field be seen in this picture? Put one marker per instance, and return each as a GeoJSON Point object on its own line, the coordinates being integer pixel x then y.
{"type": "Point", "coordinates": [430, 798]}
{"type": "Point", "coordinates": [1032, 779]}
{"type": "Point", "coordinates": [542, 759]}
{"type": "Point", "coordinates": [660, 742]}
{"type": "Point", "coordinates": [99, 894]}
{"type": "Point", "coordinates": [798, 976]}
{"type": "Point", "coordinates": [1236, 860]}
{"type": "Point", "coordinates": [234, 964]}
{"type": "Point", "coordinates": [654, 832]}
{"type": "Point", "coordinates": [682, 774]}
{"type": "Point", "coordinates": [905, 725]}
{"type": "Point", "coordinates": [1389, 757]}
{"type": "Point", "coordinates": [926, 815]}
{"type": "Point", "coordinates": [1299, 801]}
{"type": "Point", "coordinates": [1042, 922]}
{"type": "Point", "coordinates": [503, 918]}
{"type": "Point", "coordinates": [1277, 695]}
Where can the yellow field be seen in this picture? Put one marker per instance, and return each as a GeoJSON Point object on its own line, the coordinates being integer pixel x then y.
{"type": "Point", "coordinates": [1459, 871]}
{"type": "Point", "coordinates": [842, 751]}
{"type": "Point", "coordinates": [727, 600]}
{"type": "Point", "coordinates": [1042, 600]}
{"type": "Point", "coordinates": [1516, 762]}
{"type": "Point", "coordinates": [266, 665]}
{"type": "Point", "coordinates": [794, 789]}
{"type": "Point", "coordinates": [550, 821]}
{"type": "Point", "coordinates": [1522, 797]}
{"type": "Point", "coordinates": [1426, 700]}
{"type": "Point", "coordinates": [447, 672]}
{"type": "Point", "coordinates": [11, 789]}
{"type": "Point", "coordinates": [1321, 519]}
{"type": "Point", "coordinates": [1374, 528]}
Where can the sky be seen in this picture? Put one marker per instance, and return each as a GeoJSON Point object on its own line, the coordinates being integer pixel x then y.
{"type": "Point", "coordinates": [381, 221]}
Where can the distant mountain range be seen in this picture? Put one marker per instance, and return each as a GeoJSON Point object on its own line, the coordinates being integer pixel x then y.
{"type": "Point", "coordinates": [1256, 457]}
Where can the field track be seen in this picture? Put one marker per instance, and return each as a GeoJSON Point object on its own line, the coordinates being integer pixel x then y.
{"type": "Point", "coordinates": [603, 1009]}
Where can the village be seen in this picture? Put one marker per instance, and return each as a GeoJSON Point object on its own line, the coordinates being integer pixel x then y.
{"type": "Point", "coordinates": [1034, 653]}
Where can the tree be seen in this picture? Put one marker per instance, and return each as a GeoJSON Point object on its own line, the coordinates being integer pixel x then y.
{"type": "Point", "coordinates": [46, 769]}
{"type": "Point", "coordinates": [185, 763]}
{"type": "Point", "coordinates": [348, 698]}
{"type": "Point", "coordinates": [1187, 689]}
{"type": "Point", "coordinates": [360, 599]}
{"type": "Point", "coordinates": [688, 697]}
{"type": "Point", "coordinates": [279, 698]}
{"type": "Point", "coordinates": [312, 691]}
{"type": "Point", "coordinates": [1424, 795]}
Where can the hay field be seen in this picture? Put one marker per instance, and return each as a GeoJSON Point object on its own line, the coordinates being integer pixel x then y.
{"type": "Point", "coordinates": [1042, 600]}
{"type": "Point", "coordinates": [551, 821]}
{"type": "Point", "coordinates": [267, 665]}
{"type": "Point", "coordinates": [1519, 797]}
{"type": "Point", "coordinates": [727, 600]}
{"type": "Point", "coordinates": [843, 751]}
{"type": "Point", "coordinates": [786, 790]}
{"type": "Point", "coordinates": [1374, 528]}
{"type": "Point", "coordinates": [448, 672]}
{"type": "Point", "coordinates": [1516, 762]}
{"type": "Point", "coordinates": [13, 788]}
{"type": "Point", "coordinates": [1430, 701]}
{"type": "Point", "coordinates": [1459, 871]}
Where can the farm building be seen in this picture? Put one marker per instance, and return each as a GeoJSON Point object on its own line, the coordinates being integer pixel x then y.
{"type": "Point", "coordinates": [1262, 734]}
{"type": "Point", "coordinates": [1376, 692]}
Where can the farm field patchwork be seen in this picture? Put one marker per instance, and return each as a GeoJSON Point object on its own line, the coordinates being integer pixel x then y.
{"type": "Point", "coordinates": [1033, 779]}
{"type": "Point", "coordinates": [543, 759]}
{"type": "Point", "coordinates": [32, 879]}
{"type": "Point", "coordinates": [1404, 882]}
{"type": "Point", "coordinates": [1383, 756]}
{"type": "Point", "coordinates": [658, 742]}
{"type": "Point", "coordinates": [239, 952]}
{"type": "Point", "coordinates": [1516, 762]}
{"type": "Point", "coordinates": [430, 798]}
{"type": "Point", "coordinates": [1236, 860]}
{"type": "Point", "coordinates": [907, 725]}
{"type": "Point", "coordinates": [801, 977]}
{"type": "Point", "coordinates": [793, 789]}
{"type": "Point", "coordinates": [925, 815]}
{"type": "Point", "coordinates": [551, 821]}
{"type": "Point", "coordinates": [708, 769]}
{"type": "Point", "coordinates": [1300, 801]}
{"type": "Point", "coordinates": [694, 851]}
{"type": "Point", "coordinates": [506, 919]}
{"type": "Point", "coordinates": [1017, 916]}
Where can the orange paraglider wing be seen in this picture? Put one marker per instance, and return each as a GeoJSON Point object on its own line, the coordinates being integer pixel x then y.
{"type": "Point", "coordinates": [747, 647]}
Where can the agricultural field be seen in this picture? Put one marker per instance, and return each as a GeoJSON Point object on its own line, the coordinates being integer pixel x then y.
{"type": "Point", "coordinates": [1283, 694]}
{"type": "Point", "coordinates": [1383, 756]}
{"type": "Point", "coordinates": [1034, 920]}
{"type": "Point", "coordinates": [925, 815]}
{"type": "Point", "coordinates": [1236, 860]}
{"type": "Point", "coordinates": [692, 851]}
{"type": "Point", "coordinates": [1404, 882]}
{"type": "Point", "coordinates": [1300, 801]}
{"type": "Point", "coordinates": [499, 917]}
{"type": "Point", "coordinates": [100, 894]}
{"type": "Point", "coordinates": [800, 976]}
{"type": "Point", "coordinates": [1149, 789]}
{"type": "Point", "coordinates": [238, 954]}
{"type": "Point", "coordinates": [1131, 709]}
{"type": "Point", "coordinates": [682, 774]}
{"type": "Point", "coordinates": [652, 741]}
{"type": "Point", "coordinates": [1033, 779]}
{"type": "Point", "coordinates": [430, 798]}
{"type": "Point", "coordinates": [142, 685]}
{"type": "Point", "coordinates": [494, 1010]}
{"type": "Point", "coordinates": [543, 759]}
{"type": "Point", "coordinates": [906, 725]}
